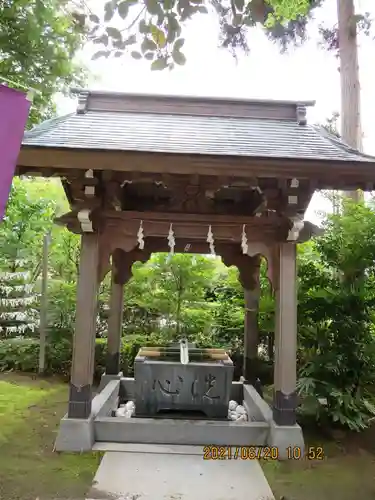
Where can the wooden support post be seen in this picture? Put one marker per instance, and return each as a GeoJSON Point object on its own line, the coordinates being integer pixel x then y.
{"type": "Point", "coordinates": [285, 375]}
{"type": "Point", "coordinates": [85, 328]}
{"type": "Point", "coordinates": [249, 268]}
{"type": "Point", "coordinates": [114, 326]}
{"type": "Point", "coordinates": [251, 334]}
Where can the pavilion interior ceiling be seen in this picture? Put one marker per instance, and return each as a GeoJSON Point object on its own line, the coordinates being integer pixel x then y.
{"type": "Point", "coordinates": [193, 194]}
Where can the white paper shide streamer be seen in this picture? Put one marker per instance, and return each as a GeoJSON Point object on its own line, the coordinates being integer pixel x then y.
{"type": "Point", "coordinates": [210, 240]}
{"type": "Point", "coordinates": [244, 245]}
{"type": "Point", "coordinates": [171, 240]}
{"type": "Point", "coordinates": [140, 236]}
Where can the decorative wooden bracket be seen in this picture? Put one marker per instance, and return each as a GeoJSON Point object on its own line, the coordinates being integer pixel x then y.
{"type": "Point", "coordinates": [297, 227]}
{"type": "Point", "coordinates": [110, 239]}
{"type": "Point", "coordinates": [123, 263]}
{"type": "Point", "coordinates": [84, 219]}
{"type": "Point", "coordinates": [89, 189]}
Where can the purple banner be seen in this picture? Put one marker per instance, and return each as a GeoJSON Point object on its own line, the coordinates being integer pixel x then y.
{"type": "Point", "coordinates": [14, 112]}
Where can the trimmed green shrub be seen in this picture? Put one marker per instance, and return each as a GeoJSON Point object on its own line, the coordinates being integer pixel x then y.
{"type": "Point", "coordinates": [20, 354]}
{"type": "Point", "coordinates": [23, 354]}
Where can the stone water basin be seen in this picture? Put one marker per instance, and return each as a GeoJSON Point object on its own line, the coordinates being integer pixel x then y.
{"type": "Point", "coordinates": [164, 384]}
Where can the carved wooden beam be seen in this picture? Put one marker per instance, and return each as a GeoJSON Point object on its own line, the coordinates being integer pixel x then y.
{"type": "Point", "coordinates": [191, 230]}
{"type": "Point", "coordinates": [198, 219]}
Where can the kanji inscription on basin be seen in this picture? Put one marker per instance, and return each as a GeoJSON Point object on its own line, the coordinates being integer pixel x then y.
{"type": "Point", "coordinates": [170, 385]}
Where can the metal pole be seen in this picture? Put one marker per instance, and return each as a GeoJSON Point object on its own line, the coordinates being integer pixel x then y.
{"type": "Point", "coordinates": [43, 305]}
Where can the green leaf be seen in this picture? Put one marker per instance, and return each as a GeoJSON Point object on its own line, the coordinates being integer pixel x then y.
{"type": "Point", "coordinates": [93, 30]}
{"type": "Point", "coordinates": [202, 9]}
{"type": "Point", "coordinates": [136, 55]}
{"type": "Point", "coordinates": [158, 36]}
{"type": "Point", "coordinates": [182, 4]}
{"type": "Point", "coordinates": [131, 40]}
{"type": "Point", "coordinates": [148, 45]}
{"type": "Point", "coordinates": [178, 57]}
{"type": "Point", "coordinates": [186, 13]}
{"type": "Point", "coordinates": [173, 28]}
{"type": "Point", "coordinates": [240, 4]}
{"type": "Point", "coordinates": [118, 53]}
{"type": "Point", "coordinates": [118, 44]}
{"type": "Point", "coordinates": [149, 56]}
{"type": "Point", "coordinates": [79, 18]}
{"type": "Point", "coordinates": [159, 64]}
{"type": "Point", "coordinates": [178, 44]}
{"type": "Point", "coordinates": [154, 8]}
{"type": "Point", "coordinates": [109, 10]}
{"type": "Point", "coordinates": [114, 33]}
{"type": "Point", "coordinates": [123, 9]}
{"type": "Point", "coordinates": [143, 27]}
{"type": "Point", "coordinates": [100, 53]}
{"type": "Point", "coordinates": [169, 4]}
{"type": "Point", "coordinates": [237, 20]}
{"type": "Point", "coordinates": [248, 21]}
{"type": "Point", "coordinates": [94, 18]}
{"type": "Point", "coordinates": [103, 39]}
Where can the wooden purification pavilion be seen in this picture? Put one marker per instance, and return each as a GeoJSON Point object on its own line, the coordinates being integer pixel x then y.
{"type": "Point", "coordinates": [235, 166]}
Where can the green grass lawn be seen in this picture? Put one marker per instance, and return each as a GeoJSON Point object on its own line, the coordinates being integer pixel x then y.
{"type": "Point", "coordinates": [30, 411]}
{"type": "Point", "coordinates": [347, 471]}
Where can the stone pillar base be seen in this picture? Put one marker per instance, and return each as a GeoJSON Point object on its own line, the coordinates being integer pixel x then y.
{"type": "Point", "coordinates": [75, 434]}
{"type": "Point", "coordinates": [288, 439]}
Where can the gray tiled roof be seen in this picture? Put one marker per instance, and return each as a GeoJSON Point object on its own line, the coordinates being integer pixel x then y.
{"type": "Point", "coordinates": [172, 133]}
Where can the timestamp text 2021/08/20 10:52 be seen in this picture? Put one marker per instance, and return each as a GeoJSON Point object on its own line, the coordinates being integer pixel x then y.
{"type": "Point", "coordinates": [214, 452]}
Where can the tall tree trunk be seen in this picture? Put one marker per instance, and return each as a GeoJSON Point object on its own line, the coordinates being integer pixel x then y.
{"type": "Point", "coordinates": [351, 132]}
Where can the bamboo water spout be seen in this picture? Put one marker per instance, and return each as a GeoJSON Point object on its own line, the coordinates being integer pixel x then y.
{"type": "Point", "coordinates": [184, 352]}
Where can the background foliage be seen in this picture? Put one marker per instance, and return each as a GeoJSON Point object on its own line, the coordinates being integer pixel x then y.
{"type": "Point", "coordinates": [38, 41]}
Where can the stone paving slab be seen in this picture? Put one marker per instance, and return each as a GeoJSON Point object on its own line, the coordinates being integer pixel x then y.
{"type": "Point", "coordinates": [136, 475]}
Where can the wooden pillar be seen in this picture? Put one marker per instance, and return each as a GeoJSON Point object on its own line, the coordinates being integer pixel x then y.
{"type": "Point", "coordinates": [251, 334]}
{"type": "Point", "coordinates": [285, 374]}
{"type": "Point", "coordinates": [249, 276]}
{"type": "Point", "coordinates": [114, 325]}
{"type": "Point", "coordinates": [85, 329]}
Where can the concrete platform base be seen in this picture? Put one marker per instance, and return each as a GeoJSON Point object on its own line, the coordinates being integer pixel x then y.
{"type": "Point", "coordinates": [183, 432]}
{"type": "Point", "coordinates": [81, 434]}
{"type": "Point", "coordinates": [107, 378]}
{"type": "Point", "coordinates": [184, 476]}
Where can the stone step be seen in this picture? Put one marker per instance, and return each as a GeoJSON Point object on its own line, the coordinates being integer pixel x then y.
{"type": "Point", "coordinates": [157, 475]}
